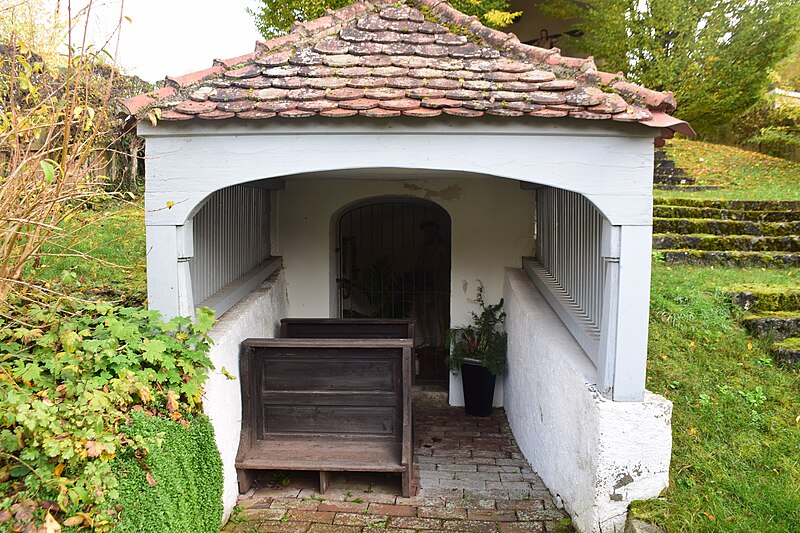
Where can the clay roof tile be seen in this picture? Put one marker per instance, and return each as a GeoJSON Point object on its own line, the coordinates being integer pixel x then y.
{"type": "Point", "coordinates": [378, 59]}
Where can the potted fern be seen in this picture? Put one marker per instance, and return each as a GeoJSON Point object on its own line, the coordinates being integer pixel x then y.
{"type": "Point", "coordinates": [478, 351]}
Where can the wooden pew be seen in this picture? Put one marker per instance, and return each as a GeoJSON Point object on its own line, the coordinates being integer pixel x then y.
{"type": "Point", "coordinates": [347, 328]}
{"type": "Point", "coordinates": [326, 405]}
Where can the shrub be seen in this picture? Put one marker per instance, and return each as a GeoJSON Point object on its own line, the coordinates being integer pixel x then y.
{"type": "Point", "coordinates": [772, 127]}
{"type": "Point", "coordinates": [177, 486]}
{"type": "Point", "coordinates": [71, 374]}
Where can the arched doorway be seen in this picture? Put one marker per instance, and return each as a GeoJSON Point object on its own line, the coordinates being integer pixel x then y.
{"type": "Point", "coordinates": [393, 257]}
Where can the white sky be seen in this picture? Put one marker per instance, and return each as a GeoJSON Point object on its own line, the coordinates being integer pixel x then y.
{"type": "Point", "coordinates": [174, 37]}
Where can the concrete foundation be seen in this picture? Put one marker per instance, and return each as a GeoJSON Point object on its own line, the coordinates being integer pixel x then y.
{"type": "Point", "coordinates": [595, 455]}
{"type": "Point", "coordinates": [257, 315]}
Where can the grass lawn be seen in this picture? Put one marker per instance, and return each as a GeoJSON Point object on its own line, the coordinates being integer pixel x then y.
{"type": "Point", "coordinates": [736, 420]}
{"type": "Point", "coordinates": [740, 174]}
{"type": "Point", "coordinates": [108, 259]}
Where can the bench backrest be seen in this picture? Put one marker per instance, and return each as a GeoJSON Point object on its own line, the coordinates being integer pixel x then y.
{"type": "Point", "coordinates": [326, 387]}
{"type": "Point", "coordinates": [347, 328]}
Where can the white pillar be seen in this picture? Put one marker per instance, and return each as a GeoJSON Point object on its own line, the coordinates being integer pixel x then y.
{"type": "Point", "coordinates": [623, 344]}
{"type": "Point", "coordinates": [169, 284]}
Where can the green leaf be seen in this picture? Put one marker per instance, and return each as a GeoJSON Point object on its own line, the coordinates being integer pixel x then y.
{"type": "Point", "coordinates": [49, 171]}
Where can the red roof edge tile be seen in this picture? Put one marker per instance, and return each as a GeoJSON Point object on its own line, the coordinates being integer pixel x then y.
{"type": "Point", "coordinates": [194, 77]}
{"type": "Point", "coordinates": [277, 42]}
{"type": "Point", "coordinates": [654, 100]}
{"type": "Point", "coordinates": [346, 14]}
{"type": "Point", "coordinates": [236, 60]}
{"type": "Point", "coordinates": [664, 121]}
{"type": "Point", "coordinates": [140, 102]}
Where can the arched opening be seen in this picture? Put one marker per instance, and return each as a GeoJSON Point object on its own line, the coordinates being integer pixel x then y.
{"type": "Point", "coordinates": [393, 261]}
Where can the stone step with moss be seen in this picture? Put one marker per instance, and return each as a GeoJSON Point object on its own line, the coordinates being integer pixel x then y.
{"type": "Point", "coordinates": [734, 205]}
{"type": "Point", "coordinates": [741, 243]}
{"type": "Point", "coordinates": [725, 227]}
{"type": "Point", "coordinates": [787, 350]}
{"type": "Point", "coordinates": [765, 298]}
{"type": "Point", "coordinates": [775, 325]}
{"type": "Point", "coordinates": [731, 259]}
{"type": "Point", "coordinates": [673, 211]}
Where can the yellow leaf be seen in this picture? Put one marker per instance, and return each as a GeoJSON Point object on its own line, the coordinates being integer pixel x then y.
{"type": "Point", "coordinates": [749, 345]}
{"type": "Point", "coordinates": [691, 345]}
{"type": "Point", "coordinates": [51, 525]}
{"type": "Point", "coordinates": [150, 479]}
{"type": "Point", "coordinates": [144, 394]}
{"type": "Point", "coordinates": [170, 203]}
{"type": "Point", "coordinates": [710, 516]}
{"type": "Point", "coordinates": [172, 401]}
{"type": "Point", "coordinates": [73, 521]}
{"type": "Point", "coordinates": [693, 431]}
{"type": "Point", "coordinates": [94, 448]}
{"type": "Point", "coordinates": [58, 469]}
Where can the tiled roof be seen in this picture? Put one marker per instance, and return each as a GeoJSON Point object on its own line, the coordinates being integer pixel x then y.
{"type": "Point", "coordinates": [418, 58]}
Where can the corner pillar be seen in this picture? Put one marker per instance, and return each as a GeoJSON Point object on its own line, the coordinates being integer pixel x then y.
{"type": "Point", "coordinates": [622, 361]}
{"type": "Point", "coordinates": [169, 282]}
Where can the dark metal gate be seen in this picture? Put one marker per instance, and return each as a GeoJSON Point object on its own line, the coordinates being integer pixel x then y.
{"type": "Point", "coordinates": [394, 262]}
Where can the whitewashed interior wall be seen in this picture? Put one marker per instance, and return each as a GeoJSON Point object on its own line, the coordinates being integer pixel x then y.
{"type": "Point", "coordinates": [231, 236]}
{"type": "Point", "coordinates": [492, 227]}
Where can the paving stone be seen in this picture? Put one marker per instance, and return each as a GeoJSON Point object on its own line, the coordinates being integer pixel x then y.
{"type": "Point", "coordinates": [520, 505]}
{"type": "Point", "coordinates": [343, 507]}
{"type": "Point", "coordinates": [392, 510]}
{"type": "Point", "coordinates": [491, 515]}
{"type": "Point", "coordinates": [358, 519]}
{"type": "Point", "coordinates": [414, 523]}
{"type": "Point", "coordinates": [301, 515]}
{"type": "Point", "coordinates": [442, 512]}
{"type": "Point", "coordinates": [265, 514]}
{"type": "Point", "coordinates": [522, 527]}
{"type": "Point", "coordinates": [472, 526]}
{"type": "Point", "coordinates": [329, 528]}
{"type": "Point", "coordinates": [546, 514]}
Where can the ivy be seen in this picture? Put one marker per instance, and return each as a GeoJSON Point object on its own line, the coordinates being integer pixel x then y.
{"type": "Point", "coordinates": [70, 376]}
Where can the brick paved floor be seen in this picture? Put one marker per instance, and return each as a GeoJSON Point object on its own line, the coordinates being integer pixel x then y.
{"type": "Point", "coordinates": [471, 478]}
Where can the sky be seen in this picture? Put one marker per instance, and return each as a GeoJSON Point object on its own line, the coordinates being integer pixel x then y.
{"type": "Point", "coordinates": [174, 37]}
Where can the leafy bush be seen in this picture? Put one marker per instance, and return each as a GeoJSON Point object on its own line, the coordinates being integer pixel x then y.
{"type": "Point", "coordinates": [177, 486]}
{"type": "Point", "coordinates": [772, 126]}
{"type": "Point", "coordinates": [70, 375]}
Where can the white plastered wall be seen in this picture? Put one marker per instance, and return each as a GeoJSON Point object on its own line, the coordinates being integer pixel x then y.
{"type": "Point", "coordinates": [257, 315]}
{"type": "Point", "coordinates": [594, 454]}
{"type": "Point", "coordinates": [492, 228]}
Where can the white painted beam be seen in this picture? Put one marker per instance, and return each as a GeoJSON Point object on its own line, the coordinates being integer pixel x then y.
{"type": "Point", "coordinates": [610, 165]}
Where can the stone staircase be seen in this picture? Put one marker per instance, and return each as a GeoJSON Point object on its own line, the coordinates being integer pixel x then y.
{"type": "Point", "coordinates": [667, 175]}
{"type": "Point", "coordinates": [772, 313]}
{"type": "Point", "coordinates": [727, 233]}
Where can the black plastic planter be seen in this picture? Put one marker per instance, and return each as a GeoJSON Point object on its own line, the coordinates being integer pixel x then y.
{"type": "Point", "coordinates": [478, 384]}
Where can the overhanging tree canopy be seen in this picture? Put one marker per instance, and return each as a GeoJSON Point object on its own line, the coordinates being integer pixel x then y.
{"type": "Point", "coordinates": [715, 55]}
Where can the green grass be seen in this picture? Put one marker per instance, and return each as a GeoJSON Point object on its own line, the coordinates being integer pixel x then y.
{"type": "Point", "coordinates": [740, 174]}
{"type": "Point", "coordinates": [110, 261]}
{"type": "Point", "coordinates": [736, 418]}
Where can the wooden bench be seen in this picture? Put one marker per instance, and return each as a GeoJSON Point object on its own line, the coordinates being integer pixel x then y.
{"type": "Point", "coordinates": [326, 405]}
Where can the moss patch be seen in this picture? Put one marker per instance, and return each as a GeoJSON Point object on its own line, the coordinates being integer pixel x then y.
{"type": "Point", "coordinates": [187, 470]}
